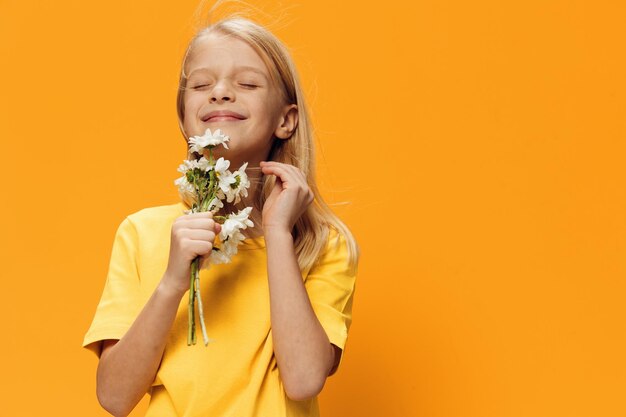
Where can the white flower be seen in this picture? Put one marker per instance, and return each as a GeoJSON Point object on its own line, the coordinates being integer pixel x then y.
{"type": "Point", "coordinates": [224, 176]}
{"type": "Point", "coordinates": [218, 257]}
{"type": "Point", "coordinates": [204, 164]}
{"type": "Point", "coordinates": [227, 179]}
{"type": "Point", "coordinates": [221, 166]}
{"type": "Point", "coordinates": [207, 141]}
{"type": "Point", "coordinates": [236, 222]}
{"type": "Point", "coordinates": [185, 189]}
{"type": "Point", "coordinates": [231, 186]}
{"type": "Point", "coordinates": [225, 250]}
{"type": "Point", "coordinates": [244, 182]}
{"type": "Point", "coordinates": [229, 238]}
{"type": "Point", "coordinates": [189, 165]}
{"type": "Point", "coordinates": [239, 188]}
{"type": "Point", "coordinates": [215, 204]}
{"type": "Point", "coordinates": [230, 246]}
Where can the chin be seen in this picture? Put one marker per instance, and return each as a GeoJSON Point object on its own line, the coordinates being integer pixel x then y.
{"type": "Point", "coordinates": [228, 154]}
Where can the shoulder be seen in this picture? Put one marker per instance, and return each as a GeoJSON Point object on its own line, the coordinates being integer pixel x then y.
{"type": "Point", "coordinates": [335, 241]}
{"type": "Point", "coordinates": [158, 213]}
{"type": "Point", "coordinates": [151, 221]}
{"type": "Point", "coordinates": [151, 216]}
{"type": "Point", "coordinates": [335, 255]}
{"type": "Point", "coordinates": [342, 243]}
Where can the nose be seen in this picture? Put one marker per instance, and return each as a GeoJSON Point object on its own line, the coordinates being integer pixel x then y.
{"type": "Point", "coordinates": [221, 93]}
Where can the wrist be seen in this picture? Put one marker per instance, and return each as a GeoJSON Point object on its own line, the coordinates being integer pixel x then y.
{"type": "Point", "coordinates": [170, 289]}
{"type": "Point", "coordinates": [275, 232]}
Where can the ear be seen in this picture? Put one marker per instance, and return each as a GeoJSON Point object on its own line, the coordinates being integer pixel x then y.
{"type": "Point", "coordinates": [288, 122]}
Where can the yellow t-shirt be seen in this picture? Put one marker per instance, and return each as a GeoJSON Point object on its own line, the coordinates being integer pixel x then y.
{"type": "Point", "coordinates": [236, 374]}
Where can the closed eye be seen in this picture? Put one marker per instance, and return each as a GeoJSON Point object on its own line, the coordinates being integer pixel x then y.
{"type": "Point", "coordinates": [199, 86]}
{"type": "Point", "coordinates": [245, 85]}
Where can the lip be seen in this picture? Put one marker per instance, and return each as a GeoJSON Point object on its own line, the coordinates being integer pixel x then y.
{"type": "Point", "coordinates": [221, 115]}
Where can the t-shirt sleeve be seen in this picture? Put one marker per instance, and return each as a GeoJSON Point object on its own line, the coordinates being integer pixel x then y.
{"type": "Point", "coordinates": [330, 286]}
{"type": "Point", "coordinates": [119, 304]}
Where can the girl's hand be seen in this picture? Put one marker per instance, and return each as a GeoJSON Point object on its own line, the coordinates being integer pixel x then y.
{"type": "Point", "coordinates": [192, 235]}
{"type": "Point", "coordinates": [289, 198]}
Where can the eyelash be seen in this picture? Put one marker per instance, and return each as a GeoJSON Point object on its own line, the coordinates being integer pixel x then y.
{"type": "Point", "coordinates": [245, 85]}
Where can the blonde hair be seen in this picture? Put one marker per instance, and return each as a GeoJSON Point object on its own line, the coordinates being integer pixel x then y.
{"type": "Point", "coordinates": [311, 231]}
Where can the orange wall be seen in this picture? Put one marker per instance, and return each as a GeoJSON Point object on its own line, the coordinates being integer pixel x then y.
{"type": "Point", "coordinates": [480, 145]}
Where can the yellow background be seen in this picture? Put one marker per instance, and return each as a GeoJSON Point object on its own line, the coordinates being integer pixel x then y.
{"type": "Point", "coordinates": [480, 147]}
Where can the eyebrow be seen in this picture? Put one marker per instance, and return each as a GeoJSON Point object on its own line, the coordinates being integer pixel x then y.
{"type": "Point", "coordinates": [237, 69]}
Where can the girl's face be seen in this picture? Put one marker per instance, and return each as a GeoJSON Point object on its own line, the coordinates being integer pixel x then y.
{"type": "Point", "coordinates": [229, 88]}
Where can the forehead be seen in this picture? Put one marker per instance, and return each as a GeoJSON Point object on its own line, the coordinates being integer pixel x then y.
{"type": "Point", "coordinates": [219, 52]}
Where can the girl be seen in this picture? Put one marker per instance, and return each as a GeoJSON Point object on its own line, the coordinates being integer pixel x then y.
{"type": "Point", "coordinates": [279, 313]}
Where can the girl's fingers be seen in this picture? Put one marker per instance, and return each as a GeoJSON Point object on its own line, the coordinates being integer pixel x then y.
{"type": "Point", "coordinates": [200, 247]}
{"type": "Point", "coordinates": [269, 165]}
{"type": "Point", "coordinates": [197, 223]}
{"type": "Point", "coordinates": [286, 172]}
{"type": "Point", "coordinates": [200, 234]}
{"type": "Point", "coordinates": [273, 168]}
{"type": "Point", "coordinates": [201, 215]}
{"type": "Point", "coordinates": [278, 186]}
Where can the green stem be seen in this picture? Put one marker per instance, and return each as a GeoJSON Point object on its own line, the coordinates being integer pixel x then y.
{"type": "Point", "coordinates": [201, 206]}
{"type": "Point", "coordinates": [191, 331]}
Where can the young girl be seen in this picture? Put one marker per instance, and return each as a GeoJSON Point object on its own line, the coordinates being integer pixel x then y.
{"type": "Point", "coordinates": [279, 313]}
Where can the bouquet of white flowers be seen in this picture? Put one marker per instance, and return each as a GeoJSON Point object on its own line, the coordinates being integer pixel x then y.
{"type": "Point", "coordinates": [207, 183]}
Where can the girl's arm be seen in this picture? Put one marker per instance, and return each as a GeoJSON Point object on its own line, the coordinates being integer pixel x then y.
{"type": "Point", "coordinates": [303, 351]}
{"type": "Point", "coordinates": [128, 367]}
{"type": "Point", "coordinates": [304, 354]}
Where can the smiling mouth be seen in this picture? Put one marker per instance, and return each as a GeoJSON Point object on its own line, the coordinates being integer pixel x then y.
{"type": "Point", "coordinates": [221, 119]}
{"type": "Point", "coordinates": [222, 116]}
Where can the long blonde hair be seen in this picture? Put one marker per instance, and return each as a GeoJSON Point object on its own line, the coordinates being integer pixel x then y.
{"type": "Point", "coordinates": [311, 231]}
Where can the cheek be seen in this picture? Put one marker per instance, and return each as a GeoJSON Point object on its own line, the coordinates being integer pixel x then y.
{"type": "Point", "coordinates": [189, 123]}
{"type": "Point", "coordinates": [190, 110]}
{"type": "Point", "coordinates": [191, 103]}
{"type": "Point", "coordinates": [271, 109]}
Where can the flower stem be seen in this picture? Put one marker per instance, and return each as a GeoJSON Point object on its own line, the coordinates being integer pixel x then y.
{"type": "Point", "coordinates": [191, 330]}
{"type": "Point", "coordinates": [205, 337]}
{"type": "Point", "coordinates": [205, 193]}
